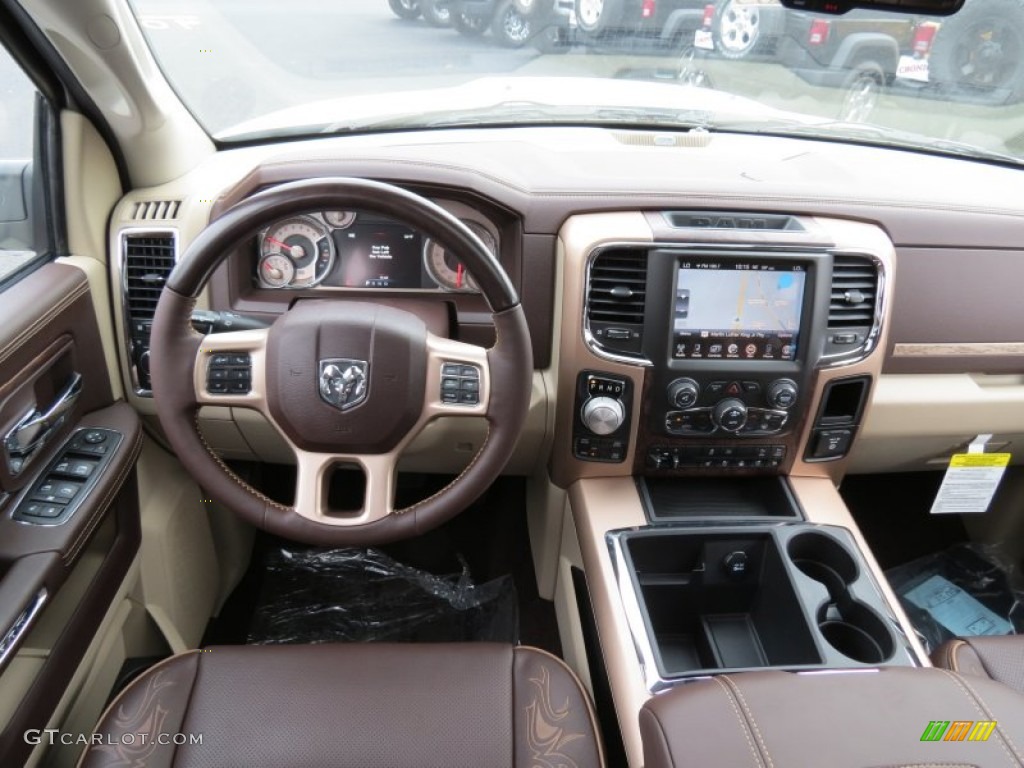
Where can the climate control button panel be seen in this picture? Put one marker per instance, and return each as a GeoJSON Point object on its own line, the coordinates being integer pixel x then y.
{"type": "Point", "coordinates": [744, 408]}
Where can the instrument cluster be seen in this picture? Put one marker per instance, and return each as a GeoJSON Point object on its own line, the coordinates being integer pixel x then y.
{"type": "Point", "coordinates": [353, 249]}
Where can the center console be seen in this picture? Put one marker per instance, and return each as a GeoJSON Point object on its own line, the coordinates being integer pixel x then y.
{"type": "Point", "coordinates": [713, 373]}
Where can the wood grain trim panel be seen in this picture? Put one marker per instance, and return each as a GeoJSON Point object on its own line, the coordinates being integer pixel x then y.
{"type": "Point", "coordinates": [980, 349]}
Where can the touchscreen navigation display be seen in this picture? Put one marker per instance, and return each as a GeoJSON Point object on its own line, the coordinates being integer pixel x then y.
{"type": "Point", "coordinates": [737, 310]}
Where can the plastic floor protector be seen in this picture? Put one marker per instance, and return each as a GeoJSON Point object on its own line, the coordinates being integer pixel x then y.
{"type": "Point", "coordinates": [967, 590]}
{"type": "Point", "coordinates": [358, 595]}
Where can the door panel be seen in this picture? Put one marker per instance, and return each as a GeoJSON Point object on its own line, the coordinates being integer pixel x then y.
{"type": "Point", "coordinates": [59, 573]}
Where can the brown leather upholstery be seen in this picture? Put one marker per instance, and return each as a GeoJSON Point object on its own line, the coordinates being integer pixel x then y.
{"type": "Point", "coordinates": [863, 719]}
{"type": "Point", "coordinates": [353, 706]}
{"type": "Point", "coordinates": [1000, 657]}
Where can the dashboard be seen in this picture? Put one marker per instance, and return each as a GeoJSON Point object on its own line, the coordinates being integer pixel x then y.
{"type": "Point", "coordinates": [725, 309]}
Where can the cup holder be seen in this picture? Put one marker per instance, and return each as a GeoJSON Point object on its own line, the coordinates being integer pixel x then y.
{"type": "Point", "coordinates": [855, 631]}
{"type": "Point", "coordinates": [848, 625]}
{"type": "Point", "coordinates": [823, 559]}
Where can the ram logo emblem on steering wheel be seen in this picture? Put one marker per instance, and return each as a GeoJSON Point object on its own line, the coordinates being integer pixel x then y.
{"type": "Point", "coordinates": [344, 383]}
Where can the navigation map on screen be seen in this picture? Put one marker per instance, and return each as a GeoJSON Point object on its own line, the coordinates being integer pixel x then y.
{"type": "Point", "coordinates": [737, 311]}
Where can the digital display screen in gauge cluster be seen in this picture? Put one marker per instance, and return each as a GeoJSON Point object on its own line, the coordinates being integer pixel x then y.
{"type": "Point", "coordinates": [378, 254]}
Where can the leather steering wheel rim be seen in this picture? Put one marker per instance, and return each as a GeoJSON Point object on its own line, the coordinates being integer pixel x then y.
{"type": "Point", "coordinates": [179, 356]}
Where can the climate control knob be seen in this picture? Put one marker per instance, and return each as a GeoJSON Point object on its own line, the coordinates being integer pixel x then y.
{"type": "Point", "coordinates": [603, 415]}
{"type": "Point", "coordinates": [730, 414]}
{"type": "Point", "coordinates": [781, 394]}
{"type": "Point", "coordinates": [683, 393]}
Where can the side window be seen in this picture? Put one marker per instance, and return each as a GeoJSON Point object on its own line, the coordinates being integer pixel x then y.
{"type": "Point", "coordinates": [18, 230]}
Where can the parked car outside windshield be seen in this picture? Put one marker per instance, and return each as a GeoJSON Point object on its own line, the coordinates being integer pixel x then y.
{"type": "Point", "coordinates": [259, 69]}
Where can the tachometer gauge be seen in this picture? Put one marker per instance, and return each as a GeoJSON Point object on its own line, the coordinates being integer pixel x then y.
{"type": "Point", "coordinates": [276, 271]}
{"type": "Point", "coordinates": [445, 268]}
{"type": "Point", "coordinates": [303, 241]}
{"type": "Point", "coordinates": [340, 219]}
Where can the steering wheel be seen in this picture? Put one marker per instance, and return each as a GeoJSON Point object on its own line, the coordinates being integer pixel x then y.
{"type": "Point", "coordinates": [344, 382]}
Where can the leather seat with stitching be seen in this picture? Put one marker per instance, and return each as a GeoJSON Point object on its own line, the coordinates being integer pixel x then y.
{"type": "Point", "coordinates": [849, 719]}
{"type": "Point", "coordinates": [1000, 657]}
{"type": "Point", "coordinates": [352, 706]}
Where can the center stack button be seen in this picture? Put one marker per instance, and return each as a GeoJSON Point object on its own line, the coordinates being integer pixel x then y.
{"type": "Point", "coordinates": [683, 393]}
{"type": "Point", "coordinates": [730, 414]}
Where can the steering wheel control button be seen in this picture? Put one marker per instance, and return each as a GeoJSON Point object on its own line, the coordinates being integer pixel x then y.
{"type": "Point", "coordinates": [460, 384]}
{"type": "Point", "coordinates": [229, 374]}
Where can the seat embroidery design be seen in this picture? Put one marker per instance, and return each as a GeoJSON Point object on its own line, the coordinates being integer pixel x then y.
{"type": "Point", "coordinates": [143, 723]}
{"type": "Point", "coordinates": [546, 735]}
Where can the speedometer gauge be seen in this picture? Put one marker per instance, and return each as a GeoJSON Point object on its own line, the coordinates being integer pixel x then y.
{"type": "Point", "coordinates": [446, 269]}
{"type": "Point", "coordinates": [302, 241]}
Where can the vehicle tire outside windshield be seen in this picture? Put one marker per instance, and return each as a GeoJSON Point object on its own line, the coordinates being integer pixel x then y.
{"type": "Point", "coordinates": [597, 16]}
{"type": "Point", "coordinates": [861, 90]}
{"type": "Point", "coordinates": [737, 29]}
{"type": "Point", "coordinates": [510, 28]}
{"type": "Point", "coordinates": [437, 13]}
{"type": "Point", "coordinates": [981, 48]}
{"type": "Point", "coordinates": [405, 9]}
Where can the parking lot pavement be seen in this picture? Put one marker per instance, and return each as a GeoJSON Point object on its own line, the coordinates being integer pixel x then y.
{"type": "Point", "coordinates": [12, 261]}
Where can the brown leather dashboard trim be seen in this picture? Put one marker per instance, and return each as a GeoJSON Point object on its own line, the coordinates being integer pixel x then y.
{"type": "Point", "coordinates": [957, 310]}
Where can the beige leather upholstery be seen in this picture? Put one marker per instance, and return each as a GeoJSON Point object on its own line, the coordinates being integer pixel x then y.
{"type": "Point", "coordinates": [862, 719]}
{"type": "Point", "coordinates": [353, 706]}
{"type": "Point", "coordinates": [1000, 657]}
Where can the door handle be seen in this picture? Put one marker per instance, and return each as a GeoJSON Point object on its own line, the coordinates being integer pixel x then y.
{"type": "Point", "coordinates": [35, 427]}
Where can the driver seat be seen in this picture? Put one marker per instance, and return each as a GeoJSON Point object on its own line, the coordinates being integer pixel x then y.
{"type": "Point", "coordinates": [465, 705]}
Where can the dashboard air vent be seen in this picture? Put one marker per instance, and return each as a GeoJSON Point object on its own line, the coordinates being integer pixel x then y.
{"type": "Point", "coordinates": [854, 290]}
{"type": "Point", "coordinates": [149, 258]}
{"type": "Point", "coordinates": [153, 210]}
{"type": "Point", "coordinates": [148, 261]}
{"type": "Point", "coordinates": [616, 298]}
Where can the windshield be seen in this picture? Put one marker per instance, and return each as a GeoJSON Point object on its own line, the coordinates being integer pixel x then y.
{"type": "Point", "coordinates": [253, 69]}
